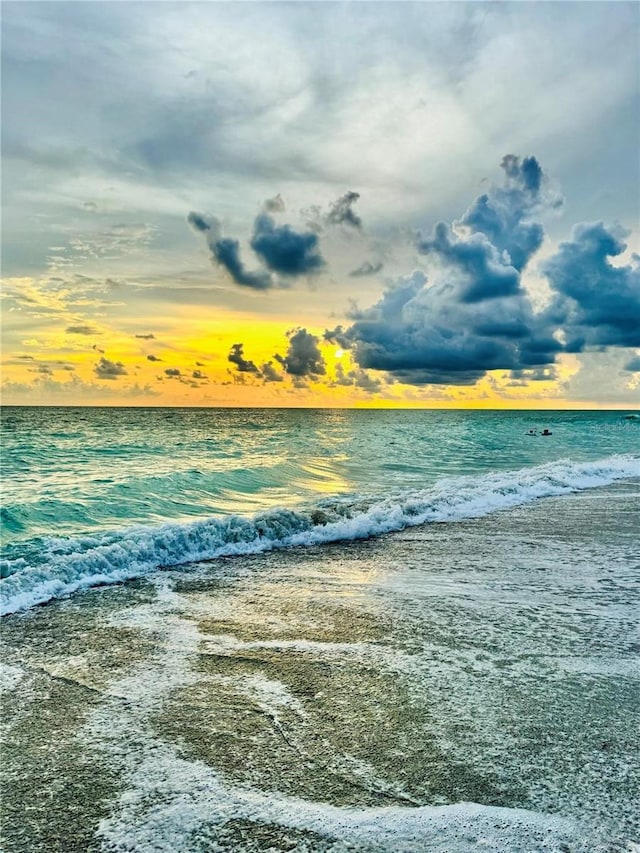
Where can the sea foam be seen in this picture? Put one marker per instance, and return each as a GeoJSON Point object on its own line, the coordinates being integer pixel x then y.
{"type": "Point", "coordinates": [63, 566]}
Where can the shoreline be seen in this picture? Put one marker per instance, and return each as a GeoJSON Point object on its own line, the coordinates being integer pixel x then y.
{"type": "Point", "coordinates": [310, 686]}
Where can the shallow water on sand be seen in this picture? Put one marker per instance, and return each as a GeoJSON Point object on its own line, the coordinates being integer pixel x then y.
{"type": "Point", "coordinates": [450, 687]}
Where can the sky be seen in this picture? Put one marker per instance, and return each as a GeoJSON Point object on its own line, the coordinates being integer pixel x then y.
{"type": "Point", "coordinates": [321, 204]}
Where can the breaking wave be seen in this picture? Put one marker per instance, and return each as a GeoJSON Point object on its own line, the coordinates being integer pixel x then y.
{"type": "Point", "coordinates": [51, 567]}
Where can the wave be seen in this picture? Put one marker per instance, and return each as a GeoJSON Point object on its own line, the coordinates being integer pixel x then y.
{"type": "Point", "coordinates": [61, 566]}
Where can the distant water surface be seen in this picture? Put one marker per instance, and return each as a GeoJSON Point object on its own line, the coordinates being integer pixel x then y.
{"type": "Point", "coordinates": [77, 481]}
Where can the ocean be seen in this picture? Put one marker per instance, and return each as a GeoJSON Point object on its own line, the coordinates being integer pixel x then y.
{"type": "Point", "coordinates": [320, 630]}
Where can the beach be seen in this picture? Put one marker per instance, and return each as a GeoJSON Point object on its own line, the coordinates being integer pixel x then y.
{"type": "Point", "coordinates": [449, 687]}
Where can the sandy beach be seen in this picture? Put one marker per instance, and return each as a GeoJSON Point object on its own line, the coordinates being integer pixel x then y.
{"type": "Point", "coordinates": [450, 687]}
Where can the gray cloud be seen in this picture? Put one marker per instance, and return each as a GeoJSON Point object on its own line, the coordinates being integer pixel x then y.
{"type": "Point", "coordinates": [172, 371]}
{"type": "Point", "coordinates": [236, 356]}
{"type": "Point", "coordinates": [633, 365]}
{"type": "Point", "coordinates": [341, 211]}
{"type": "Point", "coordinates": [367, 268]}
{"type": "Point", "coordinates": [303, 357]}
{"type": "Point", "coordinates": [107, 369]}
{"type": "Point", "coordinates": [285, 251]}
{"type": "Point", "coordinates": [148, 337]}
{"type": "Point", "coordinates": [596, 303]}
{"type": "Point", "coordinates": [226, 252]}
{"type": "Point", "coordinates": [536, 374]}
{"type": "Point", "coordinates": [269, 373]}
{"type": "Point", "coordinates": [152, 357]}
{"type": "Point", "coordinates": [81, 330]}
{"type": "Point", "coordinates": [503, 214]}
{"type": "Point", "coordinates": [274, 205]}
{"type": "Point", "coordinates": [357, 378]}
{"type": "Point", "coordinates": [475, 316]}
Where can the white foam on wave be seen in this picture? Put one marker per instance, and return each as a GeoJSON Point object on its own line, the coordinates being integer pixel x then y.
{"type": "Point", "coordinates": [10, 677]}
{"type": "Point", "coordinates": [170, 803]}
{"type": "Point", "coordinates": [106, 558]}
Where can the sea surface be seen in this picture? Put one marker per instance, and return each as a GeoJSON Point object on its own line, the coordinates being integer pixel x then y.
{"type": "Point", "coordinates": [320, 630]}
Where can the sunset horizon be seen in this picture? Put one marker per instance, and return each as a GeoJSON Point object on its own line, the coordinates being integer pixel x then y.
{"type": "Point", "coordinates": [361, 226]}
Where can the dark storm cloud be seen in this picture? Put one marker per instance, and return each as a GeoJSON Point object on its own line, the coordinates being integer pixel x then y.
{"type": "Point", "coordinates": [502, 214]}
{"type": "Point", "coordinates": [153, 358]}
{"type": "Point", "coordinates": [107, 369]}
{"type": "Point", "coordinates": [285, 251]}
{"type": "Point", "coordinates": [479, 266]}
{"type": "Point", "coordinates": [198, 374]}
{"type": "Point", "coordinates": [475, 316]}
{"type": "Point", "coordinates": [426, 333]}
{"type": "Point", "coordinates": [339, 336]}
{"type": "Point", "coordinates": [536, 374]}
{"type": "Point", "coordinates": [81, 330]}
{"type": "Point", "coordinates": [341, 211]}
{"type": "Point", "coordinates": [172, 371]}
{"type": "Point", "coordinates": [596, 303]}
{"type": "Point", "coordinates": [243, 365]}
{"type": "Point", "coordinates": [303, 357]}
{"type": "Point", "coordinates": [226, 252]}
{"type": "Point", "coordinates": [367, 268]}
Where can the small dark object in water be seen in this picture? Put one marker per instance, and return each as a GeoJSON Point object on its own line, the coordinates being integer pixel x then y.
{"type": "Point", "coordinates": [546, 432]}
{"type": "Point", "coordinates": [532, 432]}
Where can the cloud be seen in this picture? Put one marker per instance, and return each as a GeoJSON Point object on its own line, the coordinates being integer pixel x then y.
{"type": "Point", "coordinates": [474, 315]}
{"type": "Point", "coordinates": [107, 369]}
{"type": "Point", "coordinates": [152, 357]}
{"type": "Point", "coordinates": [601, 377]}
{"type": "Point", "coordinates": [242, 364]}
{"type": "Point", "coordinates": [633, 365]}
{"type": "Point", "coordinates": [81, 330]}
{"type": "Point", "coordinates": [341, 211]}
{"type": "Point", "coordinates": [148, 337]}
{"type": "Point", "coordinates": [198, 374]}
{"type": "Point", "coordinates": [484, 253]}
{"type": "Point", "coordinates": [303, 357]}
{"type": "Point", "coordinates": [425, 333]}
{"type": "Point", "coordinates": [596, 303]}
{"type": "Point", "coordinates": [274, 205]}
{"type": "Point", "coordinates": [358, 378]}
{"type": "Point", "coordinates": [503, 214]}
{"type": "Point", "coordinates": [285, 251]}
{"type": "Point", "coordinates": [479, 269]}
{"type": "Point", "coordinates": [226, 252]}
{"type": "Point", "coordinates": [522, 378]}
{"type": "Point", "coordinates": [269, 373]}
{"type": "Point", "coordinates": [71, 391]}
{"type": "Point", "coordinates": [172, 371]}
{"type": "Point", "coordinates": [367, 268]}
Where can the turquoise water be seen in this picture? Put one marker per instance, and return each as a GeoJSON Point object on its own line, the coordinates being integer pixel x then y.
{"type": "Point", "coordinates": [345, 631]}
{"type": "Point", "coordinates": [98, 495]}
